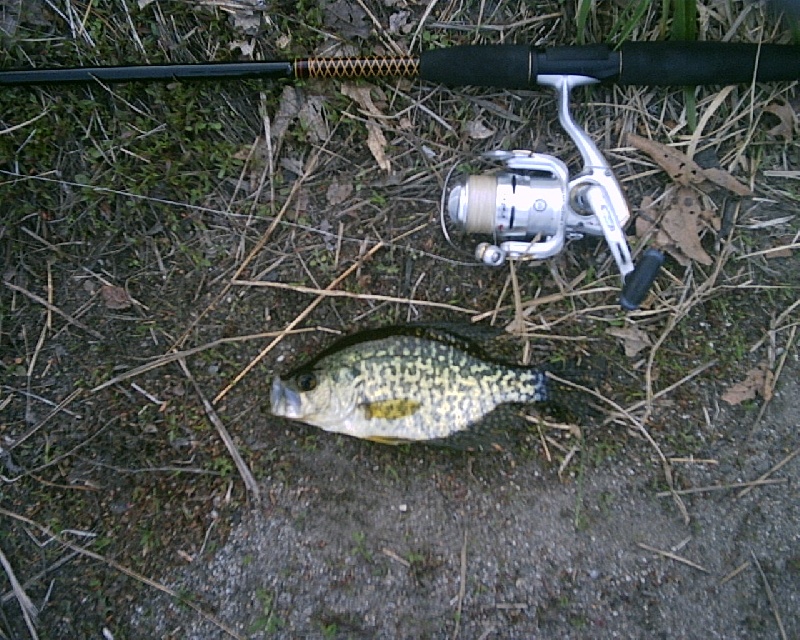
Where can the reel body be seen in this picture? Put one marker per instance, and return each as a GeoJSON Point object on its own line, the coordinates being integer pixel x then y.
{"type": "Point", "coordinates": [531, 206]}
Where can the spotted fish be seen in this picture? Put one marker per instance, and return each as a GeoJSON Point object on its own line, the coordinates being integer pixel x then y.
{"type": "Point", "coordinates": [403, 384]}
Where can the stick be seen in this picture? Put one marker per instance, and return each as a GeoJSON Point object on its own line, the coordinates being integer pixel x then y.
{"type": "Point", "coordinates": [244, 471]}
{"type": "Point", "coordinates": [55, 309]}
{"type": "Point", "coordinates": [295, 322]}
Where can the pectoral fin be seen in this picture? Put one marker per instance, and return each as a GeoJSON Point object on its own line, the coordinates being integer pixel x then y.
{"type": "Point", "coordinates": [391, 409]}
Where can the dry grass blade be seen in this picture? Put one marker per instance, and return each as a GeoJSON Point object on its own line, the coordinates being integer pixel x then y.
{"type": "Point", "coordinates": [300, 317]}
{"type": "Point", "coordinates": [723, 487]}
{"type": "Point", "coordinates": [665, 464]}
{"type": "Point", "coordinates": [673, 556]}
{"type": "Point", "coordinates": [241, 465]}
{"type": "Point", "coordinates": [124, 570]}
{"type": "Point", "coordinates": [462, 587]}
{"type": "Point", "coordinates": [354, 296]}
{"type": "Point", "coordinates": [309, 168]}
{"type": "Point", "coordinates": [55, 309]}
{"type": "Point", "coordinates": [182, 355]}
{"type": "Point", "coordinates": [770, 596]}
{"type": "Point", "coordinates": [778, 466]}
{"type": "Point", "coordinates": [29, 612]}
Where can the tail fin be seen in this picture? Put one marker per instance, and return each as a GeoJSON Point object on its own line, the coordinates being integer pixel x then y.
{"type": "Point", "coordinates": [573, 385]}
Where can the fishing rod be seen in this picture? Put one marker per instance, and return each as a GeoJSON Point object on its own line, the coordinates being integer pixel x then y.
{"type": "Point", "coordinates": [529, 203]}
{"type": "Point", "coordinates": [502, 66]}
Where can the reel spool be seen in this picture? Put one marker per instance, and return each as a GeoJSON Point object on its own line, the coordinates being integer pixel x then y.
{"type": "Point", "coordinates": [531, 206]}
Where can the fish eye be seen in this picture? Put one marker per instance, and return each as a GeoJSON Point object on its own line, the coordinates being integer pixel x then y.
{"type": "Point", "coordinates": [306, 381]}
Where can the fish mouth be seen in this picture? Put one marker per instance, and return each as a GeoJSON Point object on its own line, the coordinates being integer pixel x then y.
{"type": "Point", "coordinates": [284, 400]}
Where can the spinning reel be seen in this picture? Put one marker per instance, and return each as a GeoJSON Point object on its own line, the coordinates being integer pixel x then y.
{"type": "Point", "coordinates": [531, 205]}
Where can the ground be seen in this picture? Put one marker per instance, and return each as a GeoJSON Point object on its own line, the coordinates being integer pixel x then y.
{"type": "Point", "coordinates": [167, 248]}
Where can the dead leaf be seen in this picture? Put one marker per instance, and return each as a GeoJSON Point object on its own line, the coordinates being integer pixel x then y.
{"type": "Point", "coordinates": [347, 19]}
{"type": "Point", "coordinates": [115, 297]}
{"type": "Point", "coordinates": [782, 248]}
{"type": "Point", "coordinates": [249, 22]}
{"type": "Point", "coordinates": [362, 95]}
{"type": "Point", "coordinates": [682, 169]}
{"type": "Point", "coordinates": [634, 339]}
{"type": "Point", "coordinates": [757, 382]}
{"type": "Point", "coordinates": [727, 181]}
{"type": "Point", "coordinates": [787, 120]}
{"type": "Point", "coordinates": [311, 116]}
{"type": "Point", "coordinates": [246, 47]}
{"type": "Point", "coordinates": [477, 130]}
{"type": "Point", "coordinates": [376, 141]}
{"type": "Point", "coordinates": [288, 108]}
{"type": "Point", "coordinates": [399, 23]}
{"type": "Point", "coordinates": [680, 223]}
{"type": "Point", "coordinates": [338, 192]}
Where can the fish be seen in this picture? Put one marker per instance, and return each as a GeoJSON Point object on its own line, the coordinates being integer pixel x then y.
{"type": "Point", "coordinates": [404, 384]}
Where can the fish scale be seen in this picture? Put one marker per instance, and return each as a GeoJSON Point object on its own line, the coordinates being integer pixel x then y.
{"type": "Point", "coordinates": [402, 388]}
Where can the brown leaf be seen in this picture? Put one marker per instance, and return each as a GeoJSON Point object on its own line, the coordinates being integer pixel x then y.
{"type": "Point", "coordinates": [684, 170]}
{"type": "Point", "coordinates": [727, 181]}
{"type": "Point", "coordinates": [680, 222]}
{"type": "Point", "coordinates": [477, 129]}
{"type": "Point", "coordinates": [338, 192]}
{"type": "Point", "coordinates": [312, 118]}
{"type": "Point", "coordinates": [634, 339]}
{"type": "Point", "coordinates": [288, 108]}
{"type": "Point", "coordinates": [115, 297]}
{"type": "Point", "coordinates": [376, 141]}
{"type": "Point", "coordinates": [757, 382]}
{"type": "Point", "coordinates": [787, 120]}
{"type": "Point", "coordinates": [347, 19]}
{"type": "Point", "coordinates": [680, 168]}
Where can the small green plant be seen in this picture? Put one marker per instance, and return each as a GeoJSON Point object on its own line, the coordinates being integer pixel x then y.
{"type": "Point", "coordinates": [266, 621]}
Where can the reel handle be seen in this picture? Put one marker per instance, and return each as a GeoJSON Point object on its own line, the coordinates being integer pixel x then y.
{"type": "Point", "coordinates": [639, 281]}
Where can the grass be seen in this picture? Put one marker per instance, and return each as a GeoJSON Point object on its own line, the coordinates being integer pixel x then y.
{"type": "Point", "coordinates": [170, 192]}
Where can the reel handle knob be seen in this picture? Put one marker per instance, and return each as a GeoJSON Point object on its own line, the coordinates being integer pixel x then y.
{"type": "Point", "coordinates": [639, 281]}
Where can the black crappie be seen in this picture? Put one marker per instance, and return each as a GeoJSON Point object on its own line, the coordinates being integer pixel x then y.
{"type": "Point", "coordinates": [402, 384]}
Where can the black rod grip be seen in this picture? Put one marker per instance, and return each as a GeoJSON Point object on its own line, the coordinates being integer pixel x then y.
{"type": "Point", "coordinates": [716, 63]}
{"type": "Point", "coordinates": [639, 281]}
{"type": "Point", "coordinates": [503, 65]}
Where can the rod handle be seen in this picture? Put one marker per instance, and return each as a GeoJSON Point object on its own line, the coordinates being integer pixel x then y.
{"type": "Point", "coordinates": [699, 63]}
{"type": "Point", "coordinates": [639, 281]}
{"type": "Point", "coordinates": [501, 65]}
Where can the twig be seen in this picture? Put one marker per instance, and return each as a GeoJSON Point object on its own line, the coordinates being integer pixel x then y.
{"type": "Point", "coordinates": [722, 487]}
{"type": "Point", "coordinates": [665, 465]}
{"type": "Point", "coordinates": [462, 588]}
{"type": "Point", "coordinates": [43, 400]}
{"type": "Point", "coordinates": [59, 407]}
{"type": "Point", "coordinates": [770, 596]}
{"type": "Point", "coordinates": [774, 379]}
{"type": "Point", "coordinates": [124, 570]}
{"type": "Point", "coordinates": [29, 611]}
{"type": "Point", "coordinates": [34, 579]}
{"type": "Point", "coordinates": [244, 471]}
{"type": "Point", "coordinates": [673, 556]}
{"type": "Point", "coordinates": [353, 267]}
{"type": "Point", "coordinates": [394, 556]}
{"type": "Point", "coordinates": [55, 309]}
{"type": "Point", "coordinates": [178, 355]}
{"type": "Point", "coordinates": [782, 463]}
{"type": "Point", "coordinates": [734, 573]}
{"type": "Point", "coordinates": [347, 294]}
{"type": "Point", "coordinates": [256, 250]}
